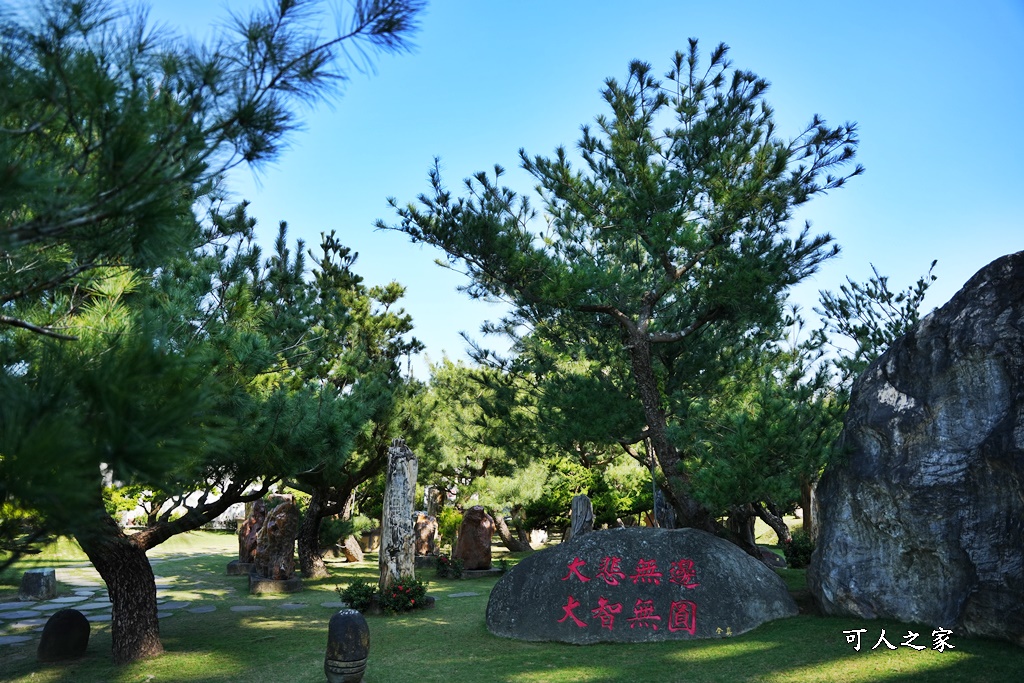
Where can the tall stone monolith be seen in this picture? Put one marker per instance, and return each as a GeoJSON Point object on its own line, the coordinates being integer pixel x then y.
{"type": "Point", "coordinates": [398, 538]}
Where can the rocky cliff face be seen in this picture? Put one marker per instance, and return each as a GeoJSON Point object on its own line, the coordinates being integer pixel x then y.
{"type": "Point", "coordinates": [922, 517]}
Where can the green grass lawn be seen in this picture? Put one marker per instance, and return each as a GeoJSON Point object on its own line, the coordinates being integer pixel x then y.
{"type": "Point", "coordinates": [450, 642]}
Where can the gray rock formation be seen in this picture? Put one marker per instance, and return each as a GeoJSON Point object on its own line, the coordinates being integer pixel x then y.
{"type": "Point", "coordinates": [275, 544]}
{"type": "Point", "coordinates": [636, 585]}
{"type": "Point", "coordinates": [922, 517]}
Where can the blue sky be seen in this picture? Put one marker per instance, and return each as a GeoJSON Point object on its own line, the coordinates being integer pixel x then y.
{"type": "Point", "coordinates": [936, 87]}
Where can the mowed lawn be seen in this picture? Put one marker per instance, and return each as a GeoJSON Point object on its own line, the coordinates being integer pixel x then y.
{"type": "Point", "coordinates": [450, 642]}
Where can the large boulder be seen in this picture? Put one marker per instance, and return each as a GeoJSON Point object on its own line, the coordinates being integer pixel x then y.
{"type": "Point", "coordinates": [65, 636]}
{"type": "Point", "coordinates": [921, 515]}
{"type": "Point", "coordinates": [636, 585]}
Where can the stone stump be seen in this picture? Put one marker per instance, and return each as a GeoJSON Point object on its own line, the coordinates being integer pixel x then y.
{"type": "Point", "coordinates": [582, 516]}
{"type": "Point", "coordinates": [397, 545]}
{"type": "Point", "coordinates": [274, 564]}
{"type": "Point", "coordinates": [65, 636]}
{"type": "Point", "coordinates": [348, 647]}
{"type": "Point", "coordinates": [426, 531]}
{"type": "Point", "coordinates": [38, 584]}
{"type": "Point", "coordinates": [474, 544]}
{"type": "Point", "coordinates": [921, 517]}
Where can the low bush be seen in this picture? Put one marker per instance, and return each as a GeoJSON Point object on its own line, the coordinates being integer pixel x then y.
{"type": "Point", "coordinates": [798, 551]}
{"type": "Point", "coordinates": [402, 596]}
{"type": "Point", "coordinates": [449, 567]}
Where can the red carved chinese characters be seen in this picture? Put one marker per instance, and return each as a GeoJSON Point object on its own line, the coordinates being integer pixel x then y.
{"type": "Point", "coordinates": [643, 615]}
{"type": "Point", "coordinates": [647, 572]}
{"type": "Point", "coordinates": [682, 616]}
{"type": "Point", "coordinates": [568, 608]}
{"type": "Point", "coordinates": [609, 571]}
{"type": "Point", "coordinates": [606, 612]}
{"type": "Point", "coordinates": [574, 569]}
{"type": "Point", "coordinates": [683, 573]}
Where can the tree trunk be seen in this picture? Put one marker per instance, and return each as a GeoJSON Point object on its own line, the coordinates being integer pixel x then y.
{"type": "Point", "coordinates": [509, 541]}
{"type": "Point", "coordinates": [311, 558]}
{"type": "Point", "coordinates": [521, 533]}
{"type": "Point", "coordinates": [123, 565]}
{"type": "Point", "coordinates": [741, 526]}
{"type": "Point", "coordinates": [808, 504]}
{"type": "Point", "coordinates": [772, 516]}
{"type": "Point", "coordinates": [689, 512]}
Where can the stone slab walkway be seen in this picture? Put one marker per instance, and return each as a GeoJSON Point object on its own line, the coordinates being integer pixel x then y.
{"type": "Point", "coordinates": [22, 622]}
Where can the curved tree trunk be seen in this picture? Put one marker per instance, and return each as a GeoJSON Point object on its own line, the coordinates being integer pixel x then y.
{"type": "Point", "coordinates": [311, 558]}
{"type": "Point", "coordinates": [807, 505]}
{"type": "Point", "coordinates": [508, 540]}
{"type": "Point", "coordinates": [123, 565]}
{"type": "Point", "coordinates": [689, 512]}
{"type": "Point", "coordinates": [741, 527]}
{"type": "Point", "coordinates": [771, 515]}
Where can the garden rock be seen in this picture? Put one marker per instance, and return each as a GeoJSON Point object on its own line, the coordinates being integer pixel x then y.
{"type": "Point", "coordinates": [353, 551]}
{"type": "Point", "coordinates": [425, 527]}
{"type": "Point", "coordinates": [921, 517]}
{"type": "Point", "coordinates": [247, 539]}
{"type": "Point", "coordinates": [581, 516]}
{"type": "Point", "coordinates": [636, 585]}
{"type": "Point", "coordinates": [474, 544]}
{"type": "Point", "coordinates": [65, 636]}
{"type": "Point", "coordinates": [275, 544]}
{"type": "Point", "coordinates": [38, 584]}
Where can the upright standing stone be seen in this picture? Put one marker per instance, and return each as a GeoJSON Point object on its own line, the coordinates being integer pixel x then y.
{"type": "Point", "coordinates": [582, 516]}
{"type": "Point", "coordinates": [65, 636]}
{"type": "Point", "coordinates": [38, 584]}
{"type": "Point", "coordinates": [474, 544]}
{"type": "Point", "coordinates": [433, 500]}
{"type": "Point", "coordinates": [663, 512]}
{"type": "Point", "coordinates": [274, 564]}
{"type": "Point", "coordinates": [426, 531]}
{"type": "Point", "coordinates": [921, 517]}
{"type": "Point", "coordinates": [397, 546]}
{"type": "Point", "coordinates": [247, 533]}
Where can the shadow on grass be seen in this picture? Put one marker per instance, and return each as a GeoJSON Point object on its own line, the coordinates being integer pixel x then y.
{"type": "Point", "coordinates": [449, 643]}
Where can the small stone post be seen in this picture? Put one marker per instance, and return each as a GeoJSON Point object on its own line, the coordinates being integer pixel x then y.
{"type": "Point", "coordinates": [348, 646]}
{"type": "Point", "coordinates": [397, 544]}
{"type": "Point", "coordinates": [582, 516]}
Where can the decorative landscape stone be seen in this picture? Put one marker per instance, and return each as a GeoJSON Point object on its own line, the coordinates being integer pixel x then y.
{"type": "Point", "coordinates": [38, 584]}
{"type": "Point", "coordinates": [636, 585]}
{"type": "Point", "coordinates": [397, 546]}
{"type": "Point", "coordinates": [921, 518]}
{"type": "Point", "coordinates": [473, 546]}
{"type": "Point", "coordinates": [274, 563]}
{"type": "Point", "coordinates": [247, 539]}
{"type": "Point", "coordinates": [348, 647]}
{"type": "Point", "coordinates": [581, 516]}
{"type": "Point", "coordinates": [353, 551]}
{"type": "Point", "coordinates": [425, 527]}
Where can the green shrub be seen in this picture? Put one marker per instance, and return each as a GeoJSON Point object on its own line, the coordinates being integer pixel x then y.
{"type": "Point", "coordinates": [448, 522]}
{"type": "Point", "coordinates": [402, 596]}
{"type": "Point", "coordinates": [449, 568]}
{"type": "Point", "coordinates": [798, 551]}
{"type": "Point", "coordinates": [358, 594]}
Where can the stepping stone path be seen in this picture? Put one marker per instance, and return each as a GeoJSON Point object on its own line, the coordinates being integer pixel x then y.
{"type": "Point", "coordinates": [21, 622]}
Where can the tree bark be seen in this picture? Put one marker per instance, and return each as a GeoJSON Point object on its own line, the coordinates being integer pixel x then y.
{"type": "Point", "coordinates": [123, 565]}
{"type": "Point", "coordinates": [511, 542]}
{"type": "Point", "coordinates": [741, 526]}
{"type": "Point", "coordinates": [771, 515]}
{"type": "Point", "coordinates": [311, 558]}
{"type": "Point", "coordinates": [807, 505]}
{"type": "Point", "coordinates": [689, 512]}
